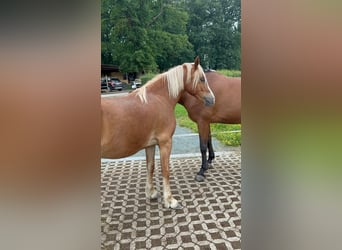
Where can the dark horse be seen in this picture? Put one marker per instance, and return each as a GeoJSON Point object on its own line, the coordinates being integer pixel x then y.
{"type": "Point", "coordinates": [145, 118]}
{"type": "Point", "coordinates": [227, 109]}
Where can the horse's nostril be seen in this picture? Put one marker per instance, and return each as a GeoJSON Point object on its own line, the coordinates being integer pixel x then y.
{"type": "Point", "coordinates": [209, 100]}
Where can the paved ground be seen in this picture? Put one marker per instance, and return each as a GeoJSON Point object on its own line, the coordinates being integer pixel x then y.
{"type": "Point", "coordinates": [211, 213]}
{"type": "Point", "coordinates": [210, 217]}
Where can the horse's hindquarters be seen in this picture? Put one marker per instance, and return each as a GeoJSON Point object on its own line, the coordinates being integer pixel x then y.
{"type": "Point", "coordinates": [127, 127]}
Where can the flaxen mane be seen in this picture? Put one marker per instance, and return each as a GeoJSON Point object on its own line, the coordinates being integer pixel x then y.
{"type": "Point", "coordinates": [174, 79]}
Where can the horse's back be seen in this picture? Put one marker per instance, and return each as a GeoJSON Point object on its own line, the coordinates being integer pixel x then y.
{"type": "Point", "coordinates": [227, 91]}
{"type": "Point", "coordinates": [225, 87]}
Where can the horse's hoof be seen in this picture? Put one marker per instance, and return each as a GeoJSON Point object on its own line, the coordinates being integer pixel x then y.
{"type": "Point", "coordinates": [152, 195]}
{"type": "Point", "coordinates": [199, 178]}
{"type": "Point", "coordinates": [172, 204]}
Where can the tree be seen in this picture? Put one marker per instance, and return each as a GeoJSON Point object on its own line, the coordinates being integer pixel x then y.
{"type": "Point", "coordinates": [214, 29]}
{"type": "Point", "coordinates": [127, 44]}
{"type": "Point", "coordinates": [144, 35]}
{"type": "Point", "coordinates": [169, 39]}
{"type": "Point", "coordinates": [106, 27]}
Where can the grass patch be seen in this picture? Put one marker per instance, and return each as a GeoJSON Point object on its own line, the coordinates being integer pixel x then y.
{"type": "Point", "coordinates": [218, 130]}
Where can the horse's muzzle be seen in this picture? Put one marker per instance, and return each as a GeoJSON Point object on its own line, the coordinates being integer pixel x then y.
{"type": "Point", "coordinates": [209, 100]}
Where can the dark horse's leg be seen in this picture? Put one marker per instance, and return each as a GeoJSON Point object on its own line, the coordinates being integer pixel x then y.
{"type": "Point", "coordinates": [211, 150]}
{"type": "Point", "coordinates": [203, 131]}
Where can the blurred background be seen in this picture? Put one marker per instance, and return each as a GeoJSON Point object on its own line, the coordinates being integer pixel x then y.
{"type": "Point", "coordinates": [49, 104]}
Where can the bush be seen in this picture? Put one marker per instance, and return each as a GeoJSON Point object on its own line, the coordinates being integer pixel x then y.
{"type": "Point", "coordinates": [231, 73]}
{"type": "Point", "coordinates": [146, 77]}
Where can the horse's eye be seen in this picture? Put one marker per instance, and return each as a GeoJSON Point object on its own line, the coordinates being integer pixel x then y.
{"type": "Point", "coordinates": [202, 79]}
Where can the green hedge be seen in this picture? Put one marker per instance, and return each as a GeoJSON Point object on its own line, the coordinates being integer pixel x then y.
{"type": "Point", "coordinates": [146, 77]}
{"type": "Point", "coordinates": [229, 72]}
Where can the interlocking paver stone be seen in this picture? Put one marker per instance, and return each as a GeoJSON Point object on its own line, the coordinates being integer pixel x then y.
{"type": "Point", "coordinates": [210, 217]}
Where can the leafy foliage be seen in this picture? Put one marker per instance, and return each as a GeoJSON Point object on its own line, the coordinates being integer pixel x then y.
{"type": "Point", "coordinates": [146, 77]}
{"type": "Point", "coordinates": [153, 36]}
{"type": "Point", "coordinates": [214, 29]}
{"type": "Point", "coordinates": [144, 36]}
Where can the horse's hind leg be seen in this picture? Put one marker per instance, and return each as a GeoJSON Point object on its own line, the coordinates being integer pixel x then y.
{"type": "Point", "coordinates": [211, 150]}
{"type": "Point", "coordinates": [151, 192]}
{"type": "Point", "coordinates": [203, 130]}
{"type": "Point", "coordinates": [165, 151]}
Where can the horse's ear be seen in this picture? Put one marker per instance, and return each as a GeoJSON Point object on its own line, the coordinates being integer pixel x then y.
{"type": "Point", "coordinates": [197, 61]}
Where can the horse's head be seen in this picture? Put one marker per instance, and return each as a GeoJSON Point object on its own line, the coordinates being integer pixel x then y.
{"type": "Point", "coordinates": [197, 84]}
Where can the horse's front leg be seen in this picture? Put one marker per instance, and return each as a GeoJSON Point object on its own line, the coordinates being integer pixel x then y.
{"type": "Point", "coordinates": [165, 151]}
{"type": "Point", "coordinates": [151, 192]}
{"type": "Point", "coordinates": [203, 131]}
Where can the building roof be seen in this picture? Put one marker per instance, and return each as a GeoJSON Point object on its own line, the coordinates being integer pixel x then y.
{"type": "Point", "coordinates": [109, 67]}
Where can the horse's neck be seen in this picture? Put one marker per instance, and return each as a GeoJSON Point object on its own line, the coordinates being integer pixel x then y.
{"type": "Point", "coordinates": [186, 100]}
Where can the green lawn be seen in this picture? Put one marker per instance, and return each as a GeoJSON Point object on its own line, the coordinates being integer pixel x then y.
{"type": "Point", "coordinates": [220, 131]}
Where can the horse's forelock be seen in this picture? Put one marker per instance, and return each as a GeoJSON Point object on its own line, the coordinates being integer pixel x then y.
{"type": "Point", "coordinates": [188, 73]}
{"type": "Point", "coordinates": [197, 75]}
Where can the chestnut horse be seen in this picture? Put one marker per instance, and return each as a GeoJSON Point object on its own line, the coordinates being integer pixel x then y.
{"type": "Point", "coordinates": [227, 109]}
{"type": "Point", "coordinates": [145, 118]}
